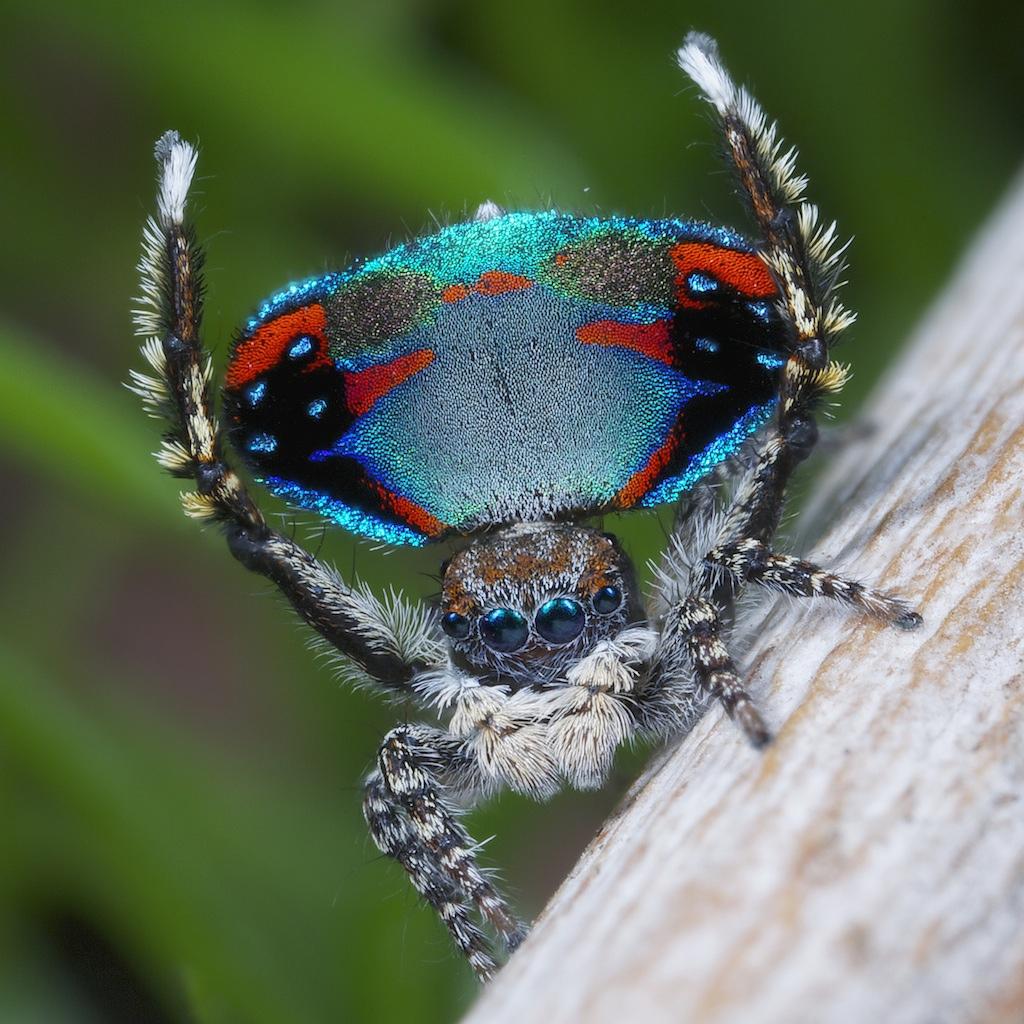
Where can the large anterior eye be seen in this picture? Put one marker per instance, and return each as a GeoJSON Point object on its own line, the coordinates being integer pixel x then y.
{"type": "Point", "coordinates": [560, 620]}
{"type": "Point", "coordinates": [504, 630]}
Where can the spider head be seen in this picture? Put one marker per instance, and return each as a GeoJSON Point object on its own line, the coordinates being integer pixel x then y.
{"type": "Point", "coordinates": [522, 605]}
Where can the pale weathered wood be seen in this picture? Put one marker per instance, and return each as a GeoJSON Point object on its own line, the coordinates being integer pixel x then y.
{"type": "Point", "coordinates": [869, 866]}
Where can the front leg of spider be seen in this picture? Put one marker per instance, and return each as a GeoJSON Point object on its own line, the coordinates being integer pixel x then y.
{"type": "Point", "coordinates": [411, 821]}
{"type": "Point", "coordinates": [391, 643]}
{"type": "Point", "coordinates": [499, 383]}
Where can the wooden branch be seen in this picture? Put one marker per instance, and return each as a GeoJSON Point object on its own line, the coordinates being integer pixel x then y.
{"type": "Point", "coordinates": [868, 866]}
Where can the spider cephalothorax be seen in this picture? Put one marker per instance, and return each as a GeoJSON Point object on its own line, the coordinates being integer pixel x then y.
{"type": "Point", "coordinates": [525, 605]}
{"type": "Point", "coordinates": [502, 381]}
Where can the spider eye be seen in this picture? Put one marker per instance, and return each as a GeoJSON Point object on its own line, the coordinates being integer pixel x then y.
{"type": "Point", "coordinates": [455, 625]}
{"type": "Point", "coordinates": [560, 620]}
{"type": "Point", "coordinates": [504, 630]}
{"type": "Point", "coordinates": [606, 600]}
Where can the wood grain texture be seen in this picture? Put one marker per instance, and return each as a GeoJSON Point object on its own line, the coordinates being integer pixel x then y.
{"type": "Point", "coordinates": [869, 865]}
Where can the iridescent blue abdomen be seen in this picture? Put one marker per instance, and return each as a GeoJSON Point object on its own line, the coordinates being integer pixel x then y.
{"type": "Point", "coordinates": [528, 366]}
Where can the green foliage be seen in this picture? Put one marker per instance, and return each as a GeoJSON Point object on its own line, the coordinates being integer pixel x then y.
{"type": "Point", "coordinates": [179, 777]}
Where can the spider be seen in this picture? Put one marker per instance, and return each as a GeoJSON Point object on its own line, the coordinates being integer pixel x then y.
{"type": "Point", "coordinates": [501, 382]}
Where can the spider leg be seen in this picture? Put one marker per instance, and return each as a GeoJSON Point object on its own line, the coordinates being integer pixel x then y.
{"type": "Point", "coordinates": [750, 561]}
{"type": "Point", "coordinates": [392, 642]}
{"type": "Point", "coordinates": [377, 638]}
{"type": "Point", "coordinates": [806, 266]}
{"type": "Point", "coordinates": [410, 821]}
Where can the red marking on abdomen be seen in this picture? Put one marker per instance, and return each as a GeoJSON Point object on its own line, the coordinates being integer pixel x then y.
{"type": "Point", "coordinates": [415, 515]}
{"type": "Point", "coordinates": [490, 282]}
{"type": "Point", "coordinates": [497, 282]}
{"type": "Point", "coordinates": [643, 479]}
{"type": "Point", "coordinates": [650, 340]}
{"type": "Point", "coordinates": [364, 387]}
{"type": "Point", "coordinates": [266, 348]}
{"type": "Point", "coordinates": [745, 272]}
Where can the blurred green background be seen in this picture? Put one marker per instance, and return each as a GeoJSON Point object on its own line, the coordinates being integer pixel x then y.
{"type": "Point", "coordinates": [179, 776]}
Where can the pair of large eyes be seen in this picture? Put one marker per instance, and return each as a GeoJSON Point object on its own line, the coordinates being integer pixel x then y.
{"type": "Point", "coordinates": [558, 621]}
